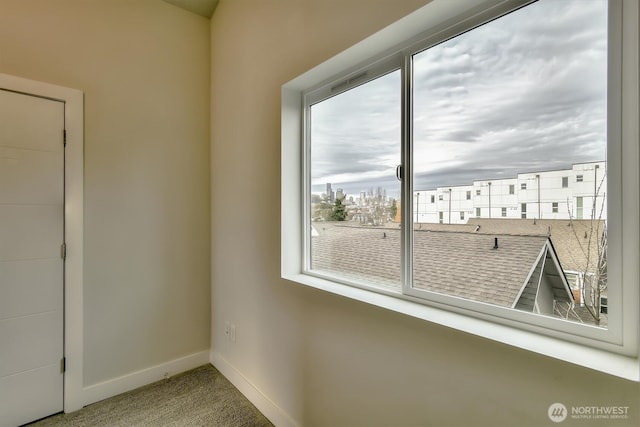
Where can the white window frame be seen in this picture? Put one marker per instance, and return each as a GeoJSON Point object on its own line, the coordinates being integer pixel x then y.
{"type": "Point", "coordinates": [614, 350]}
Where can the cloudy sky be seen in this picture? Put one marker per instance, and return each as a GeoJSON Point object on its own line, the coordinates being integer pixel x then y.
{"type": "Point", "coordinates": [526, 92]}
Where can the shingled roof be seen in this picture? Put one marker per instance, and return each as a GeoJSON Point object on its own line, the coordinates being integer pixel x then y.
{"type": "Point", "coordinates": [575, 241]}
{"type": "Point", "coordinates": [457, 263]}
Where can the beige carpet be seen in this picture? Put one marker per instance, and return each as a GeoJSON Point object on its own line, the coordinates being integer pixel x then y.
{"type": "Point", "coordinates": [201, 397]}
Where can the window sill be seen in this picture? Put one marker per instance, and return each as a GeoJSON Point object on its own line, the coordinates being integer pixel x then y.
{"type": "Point", "coordinates": [597, 359]}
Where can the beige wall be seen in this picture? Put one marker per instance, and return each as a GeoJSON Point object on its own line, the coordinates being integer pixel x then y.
{"type": "Point", "coordinates": [323, 359]}
{"type": "Point", "coordinates": [144, 68]}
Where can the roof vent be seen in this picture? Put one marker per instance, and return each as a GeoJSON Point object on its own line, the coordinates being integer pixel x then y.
{"type": "Point", "coordinates": [495, 243]}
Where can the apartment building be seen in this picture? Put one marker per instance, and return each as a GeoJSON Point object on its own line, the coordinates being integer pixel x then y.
{"type": "Point", "coordinates": [575, 193]}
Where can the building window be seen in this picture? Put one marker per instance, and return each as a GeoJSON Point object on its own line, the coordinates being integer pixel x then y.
{"type": "Point", "coordinates": [579, 207]}
{"type": "Point", "coordinates": [554, 207]}
{"type": "Point", "coordinates": [478, 192]}
{"type": "Point", "coordinates": [503, 212]}
{"type": "Point", "coordinates": [433, 198]}
{"type": "Point", "coordinates": [565, 181]}
{"type": "Point", "coordinates": [523, 186]}
{"type": "Point", "coordinates": [468, 195]}
{"type": "Point", "coordinates": [461, 215]}
{"type": "Point", "coordinates": [440, 197]}
{"type": "Point", "coordinates": [512, 189]}
{"type": "Point", "coordinates": [349, 112]}
{"type": "Point", "coordinates": [579, 178]}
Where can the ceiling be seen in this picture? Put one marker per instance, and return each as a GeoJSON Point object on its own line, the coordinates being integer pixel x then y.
{"type": "Point", "coordinates": [201, 7]}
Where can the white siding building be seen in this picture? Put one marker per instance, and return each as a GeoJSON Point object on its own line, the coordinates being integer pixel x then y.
{"type": "Point", "coordinates": [496, 198]}
{"type": "Point", "coordinates": [576, 193]}
{"type": "Point", "coordinates": [445, 205]}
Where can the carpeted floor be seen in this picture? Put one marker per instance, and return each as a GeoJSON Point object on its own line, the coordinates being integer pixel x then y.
{"type": "Point", "coordinates": [201, 397]}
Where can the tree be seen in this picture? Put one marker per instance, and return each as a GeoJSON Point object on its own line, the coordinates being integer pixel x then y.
{"type": "Point", "coordinates": [592, 256]}
{"type": "Point", "coordinates": [339, 212]}
{"type": "Point", "coordinates": [322, 209]}
{"type": "Point", "coordinates": [393, 210]}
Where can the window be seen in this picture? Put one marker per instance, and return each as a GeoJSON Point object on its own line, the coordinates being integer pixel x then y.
{"type": "Point", "coordinates": [351, 111]}
{"type": "Point", "coordinates": [523, 186]}
{"type": "Point", "coordinates": [461, 216]}
{"type": "Point", "coordinates": [468, 195]}
{"type": "Point", "coordinates": [579, 207]}
{"type": "Point", "coordinates": [440, 197]}
{"type": "Point", "coordinates": [565, 181]}
{"type": "Point", "coordinates": [503, 212]}
{"type": "Point", "coordinates": [433, 198]}
{"type": "Point", "coordinates": [579, 178]}
{"type": "Point", "coordinates": [512, 189]}
{"type": "Point", "coordinates": [363, 146]}
{"type": "Point", "coordinates": [554, 207]}
{"type": "Point", "coordinates": [478, 192]}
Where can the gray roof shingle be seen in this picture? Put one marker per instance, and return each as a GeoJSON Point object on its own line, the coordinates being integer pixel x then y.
{"type": "Point", "coordinates": [455, 263]}
{"type": "Point", "coordinates": [576, 241]}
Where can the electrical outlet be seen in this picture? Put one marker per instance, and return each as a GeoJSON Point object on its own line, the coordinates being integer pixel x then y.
{"type": "Point", "coordinates": [232, 333]}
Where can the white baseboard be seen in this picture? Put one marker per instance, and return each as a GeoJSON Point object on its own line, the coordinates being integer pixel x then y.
{"type": "Point", "coordinates": [273, 412]}
{"type": "Point", "coordinates": [115, 386]}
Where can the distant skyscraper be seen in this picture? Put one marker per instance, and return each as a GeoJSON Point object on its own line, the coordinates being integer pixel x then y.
{"type": "Point", "coordinates": [330, 193]}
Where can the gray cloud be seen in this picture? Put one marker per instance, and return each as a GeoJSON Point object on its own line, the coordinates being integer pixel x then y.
{"type": "Point", "coordinates": [525, 92]}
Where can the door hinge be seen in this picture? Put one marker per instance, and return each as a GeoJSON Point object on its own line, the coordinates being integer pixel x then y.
{"type": "Point", "coordinates": [63, 364]}
{"type": "Point", "coordinates": [63, 251]}
{"type": "Point", "coordinates": [64, 137]}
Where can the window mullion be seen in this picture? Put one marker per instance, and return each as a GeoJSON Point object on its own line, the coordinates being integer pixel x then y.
{"type": "Point", "coordinates": [407, 174]}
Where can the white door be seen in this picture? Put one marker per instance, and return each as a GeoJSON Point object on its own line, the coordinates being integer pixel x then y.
{"type": "Point", "coordinates": [31, 266]}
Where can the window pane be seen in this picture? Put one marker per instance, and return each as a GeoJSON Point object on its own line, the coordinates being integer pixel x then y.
{"type": "Point", "coordinates": [355, 195]}
{"type": "Point", "coordinates": [521, 99]}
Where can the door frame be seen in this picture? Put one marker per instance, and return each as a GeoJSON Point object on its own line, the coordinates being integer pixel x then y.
{"type": "Point", "coordinates": [73, 100]}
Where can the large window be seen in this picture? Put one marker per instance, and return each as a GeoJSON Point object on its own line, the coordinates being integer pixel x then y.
{"type": "Point", "coordinates": [504, 95]}
{"type": "Point", "coordinates": [481, 111]}
{"type": "Point", "coordinates": [355, 142]}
